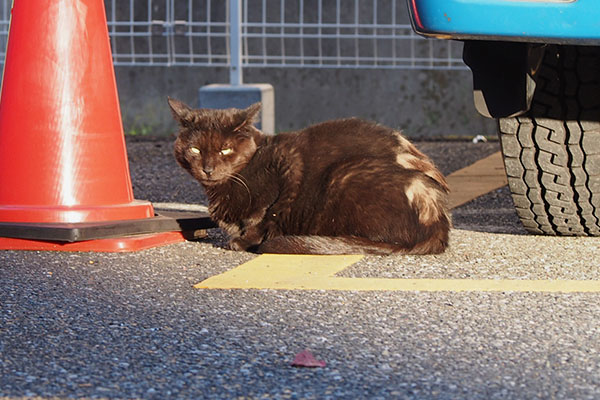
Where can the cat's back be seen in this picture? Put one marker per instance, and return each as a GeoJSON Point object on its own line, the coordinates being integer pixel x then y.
{"type": "Point", "coordinates": [352, 133]}
{"type": "Point", "coordinates": [326, 144]}
{"type": "Point", "coordinates": [341, 139]}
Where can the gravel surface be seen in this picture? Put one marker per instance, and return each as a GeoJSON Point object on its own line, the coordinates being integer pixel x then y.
{"type": "Point", "coordinates": [91, 325]}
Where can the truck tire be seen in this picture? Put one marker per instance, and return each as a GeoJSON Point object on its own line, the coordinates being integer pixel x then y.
{"type": "Point", "coordinates": [552, 153]}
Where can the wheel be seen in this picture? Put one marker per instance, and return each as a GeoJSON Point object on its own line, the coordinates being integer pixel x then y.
{"type": "Point", "coordinates": [552, 153]}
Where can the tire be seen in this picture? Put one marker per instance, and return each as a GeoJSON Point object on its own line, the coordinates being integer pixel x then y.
{"type": "Point", "coordinates": [552, 153]}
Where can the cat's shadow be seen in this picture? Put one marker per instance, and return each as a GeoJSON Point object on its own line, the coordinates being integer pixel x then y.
{"type": "Point", "coordinates": [491, 213]}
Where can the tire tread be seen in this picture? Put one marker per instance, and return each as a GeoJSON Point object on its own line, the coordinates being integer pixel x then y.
{"type": "Point", "coordinates": [552, 159]}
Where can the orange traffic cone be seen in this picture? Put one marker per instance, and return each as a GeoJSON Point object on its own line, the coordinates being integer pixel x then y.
{"type": "Point", "coordinates": [64, 176]}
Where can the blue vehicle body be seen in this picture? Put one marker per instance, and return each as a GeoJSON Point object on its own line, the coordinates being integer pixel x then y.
{"type": "Point", "coordinates": [549, 21]}
{"type": "Point", "coordinates": [505, 41]}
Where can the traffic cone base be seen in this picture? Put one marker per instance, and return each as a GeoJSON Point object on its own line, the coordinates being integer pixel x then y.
{"type": "Point", "coordinates": [123, 244]}
{"type": "Point", "coordinates": [109, 236]}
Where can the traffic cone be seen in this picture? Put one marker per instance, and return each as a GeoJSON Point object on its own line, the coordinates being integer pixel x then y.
{"type": "Point", "coordinates": [64, 173]}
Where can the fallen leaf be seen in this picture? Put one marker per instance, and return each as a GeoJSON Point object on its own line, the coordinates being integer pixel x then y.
{"type": "Point", "coordinates": [306, 359]}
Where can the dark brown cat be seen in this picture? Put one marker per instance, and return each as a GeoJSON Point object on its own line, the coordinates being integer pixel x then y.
{"type": "Point", "coordinates": [339, 187]}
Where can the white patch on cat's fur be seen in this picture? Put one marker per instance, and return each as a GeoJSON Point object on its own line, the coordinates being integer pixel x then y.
{"type": "Point", "coordinates": [406, 160]}
{"type": "Point", "coordinates": [409, 157]}
{"type": "Point", "coordinates": [407, 153]}
{"type": "Point", "coordinates": [402, 140]}
{"type": "Point", "coordinates": [426, 200]}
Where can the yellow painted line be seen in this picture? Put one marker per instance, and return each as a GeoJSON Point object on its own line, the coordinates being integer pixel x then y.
{"type": "Point", "coordinates": [280, 271]}
{"type": "Point", "coordinates": [476, 180]}
{"type": "Point", "coordinates": [310, 272]}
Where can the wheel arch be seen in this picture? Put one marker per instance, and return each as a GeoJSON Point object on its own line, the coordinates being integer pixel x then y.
{"type": "Point", "coordinates": [503, 75]}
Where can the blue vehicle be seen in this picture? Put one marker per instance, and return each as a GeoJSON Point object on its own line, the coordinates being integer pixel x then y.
{"type": "Point", "coordinates": [536, 69]}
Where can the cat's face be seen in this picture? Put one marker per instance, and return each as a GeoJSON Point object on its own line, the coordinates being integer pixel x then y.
{"type": "Point", "coordinates": [214, 145]}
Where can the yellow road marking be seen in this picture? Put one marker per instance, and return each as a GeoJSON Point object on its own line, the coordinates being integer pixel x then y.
{"type": "Point", "coordinates": [476, 180]}
{"type": "Point", "coordinates": [280, 271]}
{"type": "Point", "coordinates": [310, 272]}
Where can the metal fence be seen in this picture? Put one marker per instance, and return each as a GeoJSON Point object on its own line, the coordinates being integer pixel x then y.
{"type": "Point", "coordinates": [267, 33]}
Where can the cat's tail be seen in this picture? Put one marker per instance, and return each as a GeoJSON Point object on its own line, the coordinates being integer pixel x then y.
{"type": "Point", "coordinates": [347, 245]}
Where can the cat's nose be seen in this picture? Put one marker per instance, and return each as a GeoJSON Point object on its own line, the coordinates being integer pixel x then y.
{"type": "Point", "coordinates": [208, 170]}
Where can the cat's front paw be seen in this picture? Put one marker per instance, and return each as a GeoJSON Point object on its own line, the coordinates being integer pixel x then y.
{"type": "Point", "coordinates": [239, 244]}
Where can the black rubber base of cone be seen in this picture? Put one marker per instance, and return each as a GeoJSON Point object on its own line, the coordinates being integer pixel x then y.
{"type": "Point", "coordinates": [188, 223]}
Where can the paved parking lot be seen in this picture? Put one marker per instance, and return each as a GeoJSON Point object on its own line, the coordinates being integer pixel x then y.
{"type": "Point", "coordinates": [92, 325]}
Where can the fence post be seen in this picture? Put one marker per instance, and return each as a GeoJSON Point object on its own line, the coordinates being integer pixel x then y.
{"type": "Point", "coordinates": [235, 42]}
{"type": "Point", "coordinates": [236, 94]}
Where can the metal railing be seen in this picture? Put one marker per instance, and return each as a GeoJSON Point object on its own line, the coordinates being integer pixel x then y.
{"type": "Point", "coordinates": [5, 6]}
{"type": "Point", "coordinates": [267, 33]}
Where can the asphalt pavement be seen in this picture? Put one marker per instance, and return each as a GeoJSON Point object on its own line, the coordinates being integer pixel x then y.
{"type": "Point", "coordinates": [132, 325]}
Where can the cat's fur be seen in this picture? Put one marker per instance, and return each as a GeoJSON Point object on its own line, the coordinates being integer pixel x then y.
{"type": "Point", "coordinates": [339, 187]}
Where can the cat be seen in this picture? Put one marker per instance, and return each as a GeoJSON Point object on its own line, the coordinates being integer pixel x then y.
{"type": "Point", "coordinates": [345, 186]}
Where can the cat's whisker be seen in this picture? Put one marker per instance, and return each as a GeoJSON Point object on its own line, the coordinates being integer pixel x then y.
{"type": "Point", "coordinates": [239, 179]}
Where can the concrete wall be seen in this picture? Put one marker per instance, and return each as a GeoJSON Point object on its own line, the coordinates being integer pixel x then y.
{"type": "Point", "coordinates": [426, 104]}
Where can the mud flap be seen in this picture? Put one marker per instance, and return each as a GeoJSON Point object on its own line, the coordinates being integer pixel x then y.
{"type": "Point", "coordinates": [503, 76]}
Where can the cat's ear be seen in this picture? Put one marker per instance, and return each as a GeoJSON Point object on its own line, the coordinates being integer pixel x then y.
{"type": "Point", "coordinates": [181, 112]}
{"type": "Point", "coordinates": [248, 116]}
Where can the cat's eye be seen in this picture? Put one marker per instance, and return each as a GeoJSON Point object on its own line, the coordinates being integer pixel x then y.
{"type": "Point", "coordinates": [226, 151]}
{"type": "Point", "coordinates": [194, 150]}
